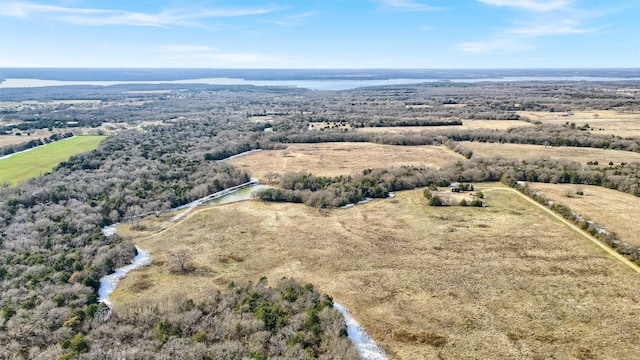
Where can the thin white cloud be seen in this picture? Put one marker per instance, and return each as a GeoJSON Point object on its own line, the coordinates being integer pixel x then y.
{"type": "Point", "coordinates": [566, 27]}
{"type": "Point", "coordinates": [406, 5]}
{"type": "Point", "coordinates": [103, 17]}
{"type": "Point", "coordinates": [291, 20]}
{"type": "Point", "coordinates": [494, 46]}
{"type": "Point", "coordinates": [535, 5]}
{"type": "Point", "coordinates": [243, 58]}
{"type": "Point", "coordinates": [178, 48]}
{"type": "Point", "coordinates": [204, 55]}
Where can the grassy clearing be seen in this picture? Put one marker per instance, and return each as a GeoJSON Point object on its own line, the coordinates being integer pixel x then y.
{"type": "Point", "coordinates": [607, 207]}
{"type": "Point", "coordinates": [466, 125]}
{"type": "Point", "coordinates": [331, 159]}
{"type": "Point", "coordinates": [18, 104]}
{"type": "Point", "coordinates": [507, 281]}
{"type": "Point", "coordinates": [35, 135]}
{"type": "Point", "coordinates": [526, 152]}
{"type": "Point", "coordinates": [605, 122]}
{"type": "Point", "coordinates": [30, 164]}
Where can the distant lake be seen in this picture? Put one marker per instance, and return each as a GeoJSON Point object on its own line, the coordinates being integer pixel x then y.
{"type": "Point", "coordinates": [323, 84]}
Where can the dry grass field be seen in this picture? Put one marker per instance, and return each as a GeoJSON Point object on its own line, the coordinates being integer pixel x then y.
{"type": "Point", "coordinates": [605, 122]}
{"type": "Point", "coordinates": [503, 282]}
{"type": "Point", "coordinates": [331, 159]}
{"type": "Point", "coordinates": [610, 208]}
{"type": "Point", "coordinates": [526, 152]}
{"type": "Point", "coordinates": [466, 125]}
{"type": "Point", "coordinates": [37, 134]}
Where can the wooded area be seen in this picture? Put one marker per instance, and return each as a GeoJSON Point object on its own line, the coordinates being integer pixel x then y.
{"type": "Point", "coordinates": [53, 252]}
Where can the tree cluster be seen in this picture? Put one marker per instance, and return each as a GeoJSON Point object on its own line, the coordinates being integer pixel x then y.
{"type": "Point", "coordinates": [244, 321]}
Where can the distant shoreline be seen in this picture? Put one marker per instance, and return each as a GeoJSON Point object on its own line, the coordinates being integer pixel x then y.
{"type": "Point", "coordinates": [333, 84]}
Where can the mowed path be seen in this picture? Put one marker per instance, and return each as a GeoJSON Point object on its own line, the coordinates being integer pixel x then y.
{"type": "Point", "coordinates": [573, 226]}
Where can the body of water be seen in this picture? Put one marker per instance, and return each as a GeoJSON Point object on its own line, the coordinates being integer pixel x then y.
{"type": "Point", "coordinates": [108, 283]}
{"type": "Point", "coordinates": [366, 346]}
{"type": "Point", "coordinates": [332, 85]}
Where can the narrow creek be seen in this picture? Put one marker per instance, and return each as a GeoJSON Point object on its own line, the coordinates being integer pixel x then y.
{"type": "Point", "coordinates": [108, 283]}
{"type": "Point", "coordinates": [366, 346]}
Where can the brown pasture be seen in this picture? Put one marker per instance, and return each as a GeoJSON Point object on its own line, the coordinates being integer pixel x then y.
{"type": "Point", "coordinates": [527, 152]}
{"type": "Point", "coordinates": [331, 159]}
{"type": "Point", "coordinates": [506, 281]}
{"type": "Point", "coordinates": [610, 208]}
{"type": "Point", "coordinates": [24, 138]}
{"type": "Point", "coordinates": [466, 125]}
{"type": "Point", "coordinates": [605, 122]}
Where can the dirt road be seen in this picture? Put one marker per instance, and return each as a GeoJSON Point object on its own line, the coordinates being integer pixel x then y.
{"type": "Point", "coordinates": [573, 226]}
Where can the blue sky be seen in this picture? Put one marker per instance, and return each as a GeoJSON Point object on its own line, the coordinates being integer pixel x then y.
{"type": "Point", "coordinates": [321, 33]}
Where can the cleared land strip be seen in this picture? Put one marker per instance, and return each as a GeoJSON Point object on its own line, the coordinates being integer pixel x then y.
{"type": "Point", "coordinates": [42, 159]}
{"type": "Point", "coordinates": [574, 227]}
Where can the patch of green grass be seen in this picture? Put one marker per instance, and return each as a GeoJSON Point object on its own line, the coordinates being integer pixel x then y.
{"type": "Point", "coordinates": [40, 160]}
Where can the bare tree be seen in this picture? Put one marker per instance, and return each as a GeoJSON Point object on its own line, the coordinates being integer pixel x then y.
{"type": "Point", "coordinates": [271, 176]}
{"type": "Point", "coordinates": [134, 214]}
{"type": "Point", "coordinates": [180, 257]}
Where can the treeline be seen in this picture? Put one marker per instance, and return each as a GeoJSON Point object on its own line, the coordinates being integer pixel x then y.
{"type": "Point", "coordinates": [10, 149]}
{"type": "Point", "coordinates": [244, 321]}
{"type": "Point", "coordinates": [407, 122]}
{"type": "Point", "coordinates": [321, 191]}
{"type": "Point", "coordinates": [50, 123]}
{"type": "Point", "coordinates": [544, 134]}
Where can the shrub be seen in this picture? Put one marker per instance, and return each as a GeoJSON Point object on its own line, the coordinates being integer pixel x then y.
{"type": "Point", "coordinates": [435, 201]}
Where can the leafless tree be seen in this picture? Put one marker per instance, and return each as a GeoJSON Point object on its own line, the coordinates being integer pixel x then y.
{"type": "Point", "coordinates": [272, 176]}
{"type": "Point", "coordinates": [181, 257]}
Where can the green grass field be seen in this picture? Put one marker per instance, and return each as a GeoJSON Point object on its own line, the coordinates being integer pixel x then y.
{"type": "Point", "coordinates": [38, 161]}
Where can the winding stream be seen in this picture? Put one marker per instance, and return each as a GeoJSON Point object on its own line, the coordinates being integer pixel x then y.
{"type": "Point", "coordinates": [108, 283]}
{"type": "Point", "coordinates": [366, 346]}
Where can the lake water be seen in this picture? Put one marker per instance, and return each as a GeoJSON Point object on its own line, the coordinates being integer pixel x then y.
{"type": "Point", "coordinates": [333, 85]}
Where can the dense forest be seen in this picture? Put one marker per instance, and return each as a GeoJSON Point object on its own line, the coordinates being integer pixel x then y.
{"type": "Point", "coordinates": [53, 252]}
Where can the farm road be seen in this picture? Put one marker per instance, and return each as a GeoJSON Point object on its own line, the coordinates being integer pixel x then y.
{"type": "Point", "coordinates": [572, 226]}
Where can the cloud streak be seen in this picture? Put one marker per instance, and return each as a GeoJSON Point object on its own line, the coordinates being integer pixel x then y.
{"type": "Point", "coordinates": [566, 27]}
{"type": "Point", "coordinates": [406, 5]}
{"type": "Point", "coordinates": [291, 20]}
{"type": "Point", "coordinates": [535, 5]}
{"type": "Point", "coordinates": [493, 46]}
{"type": "Point", "coordinates": [106, 17]}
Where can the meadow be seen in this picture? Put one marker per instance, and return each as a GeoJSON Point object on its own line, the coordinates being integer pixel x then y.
{"type": "Point", "coordinates": [506, 281]}
{"type": "Point", "coordinates": [37, 161]}
{"type": "Point", "coordinates": [332, 159]}
{"type": "Point", "coordinates": [466, 125]}
{"type": "Point", "coordinates": [607, 207]}
{"type": "Point", "coordinates": [612, 122]}
{"type": "Point", "coordinates": [526, 152]}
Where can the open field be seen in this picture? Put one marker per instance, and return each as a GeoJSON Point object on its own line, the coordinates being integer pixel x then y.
{"type": "Point", "coordinates": [19, 104]}
{"type": "Point", "coordinates": [610, 208]}
{"type": "Point", "coordinates": [605, 122]}
{"type": "Point", "coordinates": [39, 160]}
{"type": "Point", "coordinates": [24, 138]}
{"type": "Point", "coordinates": [466, 125]}
{"type": "Point", "coordinates": [526, 152]}
{"type": "Point", "coordinates": [507, 281]}
{"type": "Point", "coordinates": [332, 159]}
